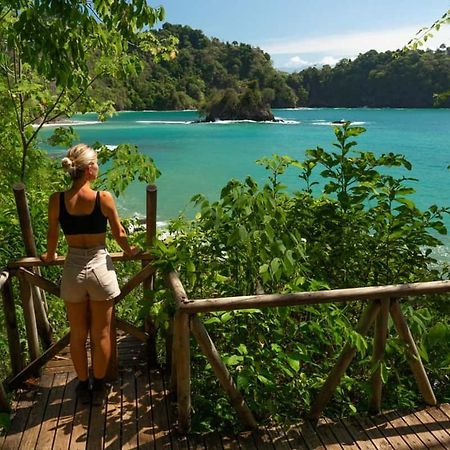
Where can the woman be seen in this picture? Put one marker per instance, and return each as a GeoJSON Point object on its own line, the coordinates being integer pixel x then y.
{"type": "Point", "coordinates": [89, 282]}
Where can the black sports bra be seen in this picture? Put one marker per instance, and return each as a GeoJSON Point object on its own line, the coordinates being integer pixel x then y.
{"type": "Point", "coordinates": [92, 223]}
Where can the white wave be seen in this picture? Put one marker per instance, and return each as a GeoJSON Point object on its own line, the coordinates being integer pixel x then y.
{"type": "Point", "coordinates": [69, 123]}
{"type": "Point", "coordinates": [169, 122]}
{"type": "Point", "coordinates": [278, 121]}
{"type": "Point", "coordinates": [282, 121]}
{"type": "Point", "coordinates": [300, 108]}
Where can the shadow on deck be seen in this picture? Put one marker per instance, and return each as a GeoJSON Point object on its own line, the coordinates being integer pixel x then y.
{"type": "Point", "coordinates": [47, 416]}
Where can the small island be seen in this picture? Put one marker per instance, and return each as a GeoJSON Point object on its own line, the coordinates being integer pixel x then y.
{"type": "Point", "coordinates": [229, 104]}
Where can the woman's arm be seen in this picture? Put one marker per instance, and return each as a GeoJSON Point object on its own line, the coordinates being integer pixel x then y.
{"type": "Point", "coordinates": [109, 209]}
{"type": "Point", "coordinates": [53, 228]}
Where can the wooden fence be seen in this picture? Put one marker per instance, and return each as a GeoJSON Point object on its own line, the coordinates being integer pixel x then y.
{"type": "Point", "coordinates": [381, 301]}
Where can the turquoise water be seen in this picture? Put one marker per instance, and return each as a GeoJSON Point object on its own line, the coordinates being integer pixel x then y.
{"type": "Point", "coordinates": [201, 157]}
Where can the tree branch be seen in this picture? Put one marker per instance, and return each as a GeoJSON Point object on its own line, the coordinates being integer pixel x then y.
{"type": "Point", "coordinates": [46, 119]}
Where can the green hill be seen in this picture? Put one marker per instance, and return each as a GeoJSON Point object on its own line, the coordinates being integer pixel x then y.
{"type": "Point", "coordinates": [205, 69]}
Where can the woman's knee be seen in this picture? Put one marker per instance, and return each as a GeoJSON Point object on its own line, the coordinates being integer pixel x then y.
{"type": "Point", "coordinates": [101, 334]}
{"type": "Point", "coordinates": [78, 336]}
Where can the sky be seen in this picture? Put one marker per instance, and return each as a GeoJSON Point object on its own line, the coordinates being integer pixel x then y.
{"type": "Point", "coordinates": [304, 33]}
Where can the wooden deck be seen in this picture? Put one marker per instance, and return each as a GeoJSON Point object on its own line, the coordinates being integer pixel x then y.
{"type": "Point", "coordinates": [47, 416]}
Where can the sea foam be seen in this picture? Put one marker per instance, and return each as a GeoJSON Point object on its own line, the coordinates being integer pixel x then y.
{"type": "Point", "coordinates": [69, 123]}
{"type": "Point", "coordinates": [167, 122]}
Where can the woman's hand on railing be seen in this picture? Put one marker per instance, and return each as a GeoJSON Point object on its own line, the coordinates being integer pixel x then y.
{"type": "Point", "coordinates": [49, 257]}
{"type": "Point", "coordinates": [134, 250]}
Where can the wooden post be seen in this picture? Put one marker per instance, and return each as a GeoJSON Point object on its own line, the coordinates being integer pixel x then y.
{"type": "Point", "coordinates": [150, 327]}
{"type": "Point", "coordinates": [183, 370]}
{"type": "Point", "coordinates": [173, 363]}
{"type": "Point", "coordinates": [169, 344]}
{"type": "Point", "coordinates": [39, 300]}
{"type": "Point", "coordinates": [412, 354]}
{"type": "Point", "coordinates": [4, 404]}
{"type": "Point", "coordinates": [348, 353]}
{"type": "Point", "coordinates": [179, 294]}
{"type": "Point", "coordinates": [30, 320]}
{"type": "Point", "coordinates": [220, 369]}
{"type": "Point", "coordinates": [15, 350]}
{"type": "Point", "coordinates": [381, 329]}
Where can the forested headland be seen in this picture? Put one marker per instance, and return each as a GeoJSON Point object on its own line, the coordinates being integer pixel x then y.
{"type": "Point", "coordinates": [205, 66]}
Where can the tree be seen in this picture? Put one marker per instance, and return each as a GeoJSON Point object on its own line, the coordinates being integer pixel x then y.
{"type": "Point", "coordinates": [52, 52]}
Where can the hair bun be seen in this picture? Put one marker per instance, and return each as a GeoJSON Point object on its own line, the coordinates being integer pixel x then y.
{"type": "Point", "coordinates": [66, 163]}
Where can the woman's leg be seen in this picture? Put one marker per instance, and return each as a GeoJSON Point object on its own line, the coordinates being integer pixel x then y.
{"type": "Point", "coordinates": [101, 313]}
{"type": "Point", "coordinates": [78, 316]}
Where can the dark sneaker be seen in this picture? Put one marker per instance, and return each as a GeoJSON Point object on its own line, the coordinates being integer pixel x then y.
{"type": "Point", "coordinates": [83, 392]}
{"type": "Point", "coordinates": [100, 391]}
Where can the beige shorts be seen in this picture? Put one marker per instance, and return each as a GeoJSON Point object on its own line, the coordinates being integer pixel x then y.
{"type": "Point", "coordinates": [88, 275]}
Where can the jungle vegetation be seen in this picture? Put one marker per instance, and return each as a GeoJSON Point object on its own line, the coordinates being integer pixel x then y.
{"type": "Point", "coordinates": [206, 68]}
{"type": "Point", "coordinates": [357, 227]}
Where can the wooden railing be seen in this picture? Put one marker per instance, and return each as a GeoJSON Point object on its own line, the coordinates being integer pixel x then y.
{"type": "Point", "coordinates": [381, 301]}
{"type": "Point", "coordinates": [32, 287]}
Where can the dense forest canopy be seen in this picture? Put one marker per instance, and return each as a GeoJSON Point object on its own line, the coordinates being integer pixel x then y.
{"type": "Point", "coordinates": [204, 66]}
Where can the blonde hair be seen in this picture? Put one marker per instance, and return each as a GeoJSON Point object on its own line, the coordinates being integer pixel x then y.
{"type": "Point", "coordinates": [77, 159]}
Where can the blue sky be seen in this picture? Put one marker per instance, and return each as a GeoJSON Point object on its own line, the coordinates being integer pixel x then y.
{"type": "Point", "coordinates": [311, 32]}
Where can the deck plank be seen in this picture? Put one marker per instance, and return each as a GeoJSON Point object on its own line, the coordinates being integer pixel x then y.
{"type": "Point", "coordinates": [374, 433]}
{"type": "Point", "coordinates": [51, 416]}
{"type": "Point", "coordinates": [19, 420]}
{"type": "Point", "coordinates": [96, 430]}
{"type": "Point", "coordinates": [246, 441]}
{"type": "Point", "coordinates": [385, 427]}
{"type": "Point", "coordinates": [63, 430]}
{"type": "Point", "coordinates": [342, 435]}
{"type": "Point", "coordinates": [160, 416]}
{"type": "Point", "coordinates": [279, 438]}
{"type": "Point", "coordinates": [144, 409]}
{"type": "Point", "coordinates": [324, 431]}
{"type": "Point", "coordinates": [229, 442]}
{"type": "Point", "coordinates": [80, 426]}
{"type": "Point", "coordinates": [445, 408]}
{"type": "Point", "coordinates": [422, 432]}
{"type": "Point", "coordinates": [179, 442]}
{"type": "Point", "coordinates": [35, 419]}
{"type": "Point", "coordinates": [433, 428]}
{"type": "Point", "coordinates": [359, 436]}
{"type": "Point", "coordinates": [305, 433]}
{"type": "Point", "coordinates": [440, 419]}
{"type": "Point", "coordinates": [404, 430]}
{"type": "Point", "coordinates": [138, 415]}
{"type": "Point", "coordinates": [129, 416]}
{"type": "Point", "coordinates": [113, 416]}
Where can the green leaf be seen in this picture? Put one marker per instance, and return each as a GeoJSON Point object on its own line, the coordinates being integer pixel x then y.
{"type": "Point", "coordinates": [264, 380]}
{"type": "Point", "coordinates": [438, 334]}
{"type": "Point", "coordinates": [294, 363]}
{"type": "Point", "coordinates": [233, 360]}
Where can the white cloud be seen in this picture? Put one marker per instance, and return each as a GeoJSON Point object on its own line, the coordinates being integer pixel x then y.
{"type": "Point", "coordinates": [329, 60]}
{"type": "Point", "coordinates": [295, 62]}
{"type": "Point", "coordinates": [351, 44]}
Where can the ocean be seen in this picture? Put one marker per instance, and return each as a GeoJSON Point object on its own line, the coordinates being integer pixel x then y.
{"type": "Point", "coordinates": [202, 157]}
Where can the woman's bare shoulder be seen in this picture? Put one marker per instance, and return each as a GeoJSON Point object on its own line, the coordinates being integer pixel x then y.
{"type": "Point", "coordinates": [106, 195]}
